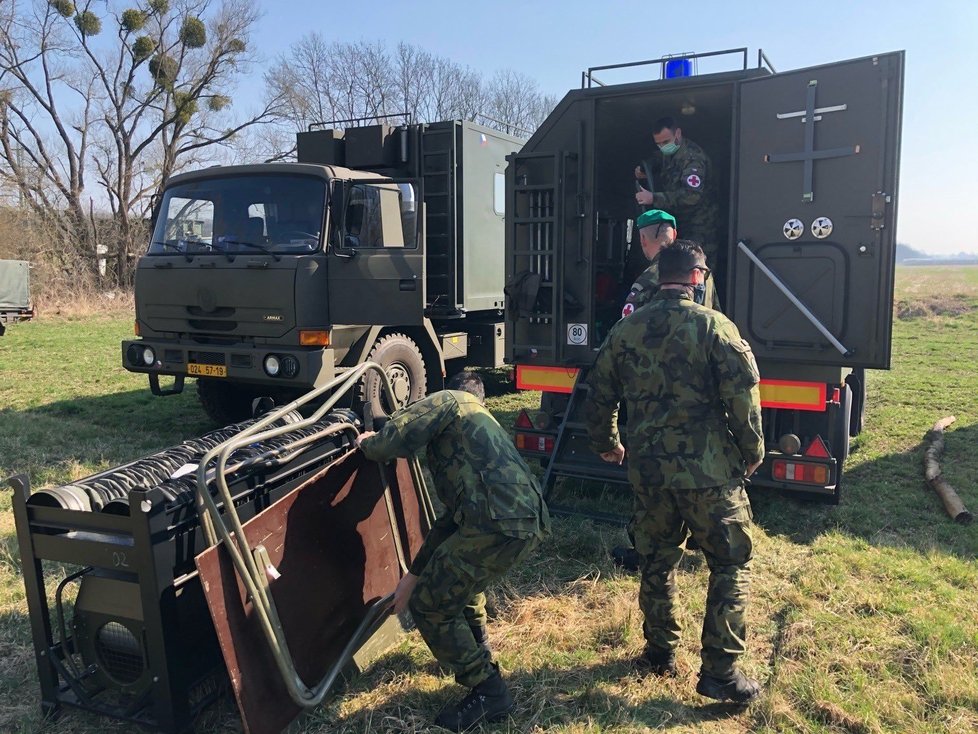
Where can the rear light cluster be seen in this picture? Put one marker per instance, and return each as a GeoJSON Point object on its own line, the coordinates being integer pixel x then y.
{"type": "Point", "coordinates": [797, 471]}
{"type": "Point", "coordinates": [535, 443]}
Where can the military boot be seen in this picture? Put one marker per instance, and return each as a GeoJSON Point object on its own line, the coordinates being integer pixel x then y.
{"type": "Point", "coordinates": [657, 662]}
{"type": "Point", "coordinates": [626, 557]}
{"type": "Point", "coordinates": [487, 701]}
{"type": "Point", "coordinates": [736, 687]}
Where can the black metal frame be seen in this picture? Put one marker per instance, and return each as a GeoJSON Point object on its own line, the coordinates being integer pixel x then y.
{"type": "Point", "coordinates": [588, 78]}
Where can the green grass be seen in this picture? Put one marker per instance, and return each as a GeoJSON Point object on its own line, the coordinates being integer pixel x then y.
{"type": "Point", "coordinates": [862, 619]}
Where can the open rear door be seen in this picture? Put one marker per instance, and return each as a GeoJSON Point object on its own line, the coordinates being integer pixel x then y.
{"type": "Point", "coordinates": [816, 196]}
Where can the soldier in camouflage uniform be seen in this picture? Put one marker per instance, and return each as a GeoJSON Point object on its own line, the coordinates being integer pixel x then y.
{"type": "Point", "coordinates": [494, 514]}
{"type": "Point", "coordinates": [684, 185]}
{"type": "Point", "coordinates": [657, 229]}
{"type": "Point", "coordinates": [690, 385]}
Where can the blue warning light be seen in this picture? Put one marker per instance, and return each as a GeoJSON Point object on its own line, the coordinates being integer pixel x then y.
{"type": "Point", "coordinates": [677, 68]}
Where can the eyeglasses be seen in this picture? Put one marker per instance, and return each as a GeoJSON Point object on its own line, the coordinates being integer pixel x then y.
{"type": "Point", "coordinates": [703, 269]}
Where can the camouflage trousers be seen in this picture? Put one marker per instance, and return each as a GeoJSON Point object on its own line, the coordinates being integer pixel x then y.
{"type": "Point", "coordinates": [448, 599]}
{"type": "Point", "coordinates": [719, 519]}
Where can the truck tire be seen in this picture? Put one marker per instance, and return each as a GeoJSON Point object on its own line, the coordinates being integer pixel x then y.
{"type": "Point", "coordinates": [404, 365]}
{"type": "Point", "coordinates": [225, 403]}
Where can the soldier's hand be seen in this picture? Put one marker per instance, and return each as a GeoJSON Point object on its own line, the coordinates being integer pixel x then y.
{"type": "Point", "coordinates": [752, 468]}
{"type": "Point", "coordinates": [644, 197]}
{"type": "Point", "coordinates": [615, 456]}
{"type": "Point", "coordinates": [402, 594]}
{"type": "Point", "coordinates": [365, 434]}
{"type": "Point", "coordinates": [639, 173]}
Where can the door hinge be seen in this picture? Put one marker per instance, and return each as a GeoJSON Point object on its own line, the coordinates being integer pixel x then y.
{"type": "Point", "coordinates": [880, 200]}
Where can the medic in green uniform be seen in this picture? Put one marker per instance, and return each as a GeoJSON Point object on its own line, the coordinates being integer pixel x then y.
{"type": "Point", "coordinates": [684, 185]}
{"type": "Point", "coordinates": [656, 229]}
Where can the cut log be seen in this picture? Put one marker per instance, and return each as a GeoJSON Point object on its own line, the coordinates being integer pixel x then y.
{"type": "Point", "coordinates": [932, 472]}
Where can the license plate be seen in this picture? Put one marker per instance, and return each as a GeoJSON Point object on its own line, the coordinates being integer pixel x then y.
{"type": "Point", "coordinates": [207, 370]}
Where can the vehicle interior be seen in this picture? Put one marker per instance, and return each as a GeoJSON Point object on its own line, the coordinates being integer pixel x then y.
{"type": "Point", "coordinates": [622, 140]}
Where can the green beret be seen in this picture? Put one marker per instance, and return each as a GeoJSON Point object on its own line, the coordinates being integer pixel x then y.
{"type": "Point", "coordinates": [653, 217]}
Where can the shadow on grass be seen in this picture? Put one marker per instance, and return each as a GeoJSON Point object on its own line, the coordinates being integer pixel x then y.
{"type": "Point", "coordinates": [545, 698]}
{"type": "Point", "coordinates": [886, 502]}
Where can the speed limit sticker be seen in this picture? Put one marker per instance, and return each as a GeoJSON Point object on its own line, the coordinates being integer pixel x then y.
{"type": "Point", "coordinates": [577, 334]}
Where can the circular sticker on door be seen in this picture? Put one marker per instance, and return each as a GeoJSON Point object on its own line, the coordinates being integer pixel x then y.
{"type": "Point", "coordinates": [577, 334]}
{"type": "Point", "coordinates": [822, 227]}
{"type": "Point", "coordinates": [793, 229]}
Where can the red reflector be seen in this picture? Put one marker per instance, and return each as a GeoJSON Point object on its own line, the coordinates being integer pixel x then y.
{"type": "Point", "coordinates": [523, 420]}
{"type": "Point", "coordinates": [836, 396]}
{"type": "Point", "coordinates": [779, 469]}
{"type": "Point", "coordinates": [817, 448]}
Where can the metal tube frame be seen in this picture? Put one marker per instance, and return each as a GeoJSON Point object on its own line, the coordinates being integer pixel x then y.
{"type": "Point", "coordinates": [253, 576]}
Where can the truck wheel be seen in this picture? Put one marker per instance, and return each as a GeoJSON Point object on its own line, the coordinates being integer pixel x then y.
{"type": "Point", "coordinates": [224, 403]}
{"type": "Point", "coordinates": [404, 365]}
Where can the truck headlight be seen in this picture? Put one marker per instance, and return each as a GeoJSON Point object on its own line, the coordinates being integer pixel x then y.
{"type": "Point", "coordinates": [290, 366]}
{"type": "Point", "coordinates": [149, 356]}
{"type": "Point", "coordinates": [272, 365]}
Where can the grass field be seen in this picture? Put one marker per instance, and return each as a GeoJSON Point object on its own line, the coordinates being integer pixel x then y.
{"type": "Point", "coordinates": [863, 616]}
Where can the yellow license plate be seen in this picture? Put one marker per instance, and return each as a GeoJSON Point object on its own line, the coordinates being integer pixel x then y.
{"type": "Point", "coordinates": [207, 370]}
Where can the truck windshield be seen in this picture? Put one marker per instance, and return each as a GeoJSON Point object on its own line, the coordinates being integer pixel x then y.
{"type": "Point", "coordinates": [274, 213]}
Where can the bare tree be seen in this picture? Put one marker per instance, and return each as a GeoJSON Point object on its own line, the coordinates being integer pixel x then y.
{"type": "Point", "coordinates": [46, 117]}
{"type": "Point", "coordinates": [319, 81]}
{"type": "Point", "coordinates": [153, 99]}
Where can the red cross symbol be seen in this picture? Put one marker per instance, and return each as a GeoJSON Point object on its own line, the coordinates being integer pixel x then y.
{"type": "Point", "coordinates": [693, 181]}
{"type": "Point", "coordinates": [629, 307]}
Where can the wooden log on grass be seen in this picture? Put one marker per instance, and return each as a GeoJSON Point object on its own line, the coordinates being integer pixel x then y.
{"type": "Point", "coordinates": [932, 472]}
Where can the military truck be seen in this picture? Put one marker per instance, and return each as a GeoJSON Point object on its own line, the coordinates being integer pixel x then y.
{"type": "Point", "coordinates": [383, 242]}
{"type": "Point", "coordinates": [806, 166]}
{"type": "Point", "coordinates": [15, 293]}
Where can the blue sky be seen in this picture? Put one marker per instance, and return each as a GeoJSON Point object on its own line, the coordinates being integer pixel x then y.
{"type": "Point", "coordinates": [554, 41]}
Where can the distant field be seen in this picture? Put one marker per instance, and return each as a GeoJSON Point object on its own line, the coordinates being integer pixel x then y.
{"type": "Point", "coordinates": [863, 617]}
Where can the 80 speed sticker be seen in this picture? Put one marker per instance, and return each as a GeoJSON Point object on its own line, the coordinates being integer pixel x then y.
{"type": "Point", "coordinates": [577, 334]}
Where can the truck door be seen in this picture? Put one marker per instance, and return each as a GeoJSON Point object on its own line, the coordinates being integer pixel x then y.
{"type": "Point", "coordinates": [814, 212]}
{"type": "Point", "coordinates": [376, 256]}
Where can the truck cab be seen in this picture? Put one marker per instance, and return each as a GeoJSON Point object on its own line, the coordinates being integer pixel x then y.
{"type": "Point", "coordinates": [268, 280]}
{"type": "Point", "coordinates": [805, 169]}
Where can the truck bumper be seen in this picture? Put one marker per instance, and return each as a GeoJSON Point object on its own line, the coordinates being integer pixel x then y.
{"type": "Point", "coordinates": [238, 364]}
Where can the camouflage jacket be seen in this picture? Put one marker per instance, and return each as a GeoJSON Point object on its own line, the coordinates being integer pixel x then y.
{"type": "Point", "coordinates": [690, 385]}
{"type": "Point", "coordinates": [685, 188]}
{"type": "Point", "coordinates": [647, 285]}
{"type": "Point", "coordinates": [481, 480]}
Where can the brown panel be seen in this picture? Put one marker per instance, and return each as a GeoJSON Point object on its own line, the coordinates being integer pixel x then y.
{"type": "Point", "coordinates": [331, 542]}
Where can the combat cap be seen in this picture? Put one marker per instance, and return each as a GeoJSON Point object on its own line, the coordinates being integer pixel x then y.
{"type": "Point", "coordinates": [653, 217]}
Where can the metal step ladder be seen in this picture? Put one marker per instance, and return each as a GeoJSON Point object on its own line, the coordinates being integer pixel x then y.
{"type": "Point", "coordinates": [572, 457]}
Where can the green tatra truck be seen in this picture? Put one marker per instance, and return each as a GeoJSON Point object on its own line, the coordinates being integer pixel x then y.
{"type": "Point", "coordinates": [384, 242]}
{"type": "Point", "coordinates": [805, 168]}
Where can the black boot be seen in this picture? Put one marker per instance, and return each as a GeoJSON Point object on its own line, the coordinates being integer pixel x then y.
{"type": "Point", "coordinates": [488, 701]}
{"type": "Point", "coordinates": [736, 687]}
{"type": "Point", "coordinates": [657, 662]}
{"type": "Point", "coordinates": [626, 557]}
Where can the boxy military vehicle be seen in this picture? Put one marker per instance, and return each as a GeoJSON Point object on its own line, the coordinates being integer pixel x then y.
{"type": "Point", "coordinates": [15, 293]}
{"type": "Point", "coordinates": [271, 279]}
{"type": "Point", "coordinates": [806, 166]}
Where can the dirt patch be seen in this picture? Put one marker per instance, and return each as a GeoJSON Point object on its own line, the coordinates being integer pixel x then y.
{"type": "Point", "coordinates": [936, 305]}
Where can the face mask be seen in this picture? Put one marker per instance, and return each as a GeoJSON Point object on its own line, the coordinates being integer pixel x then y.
{"type": "Point", "coordinates": [669, 148]}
